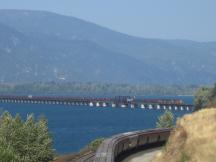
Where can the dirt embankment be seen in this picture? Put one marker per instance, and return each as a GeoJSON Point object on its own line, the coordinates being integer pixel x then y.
{"type": "Point", "coordinates": [193, 140]}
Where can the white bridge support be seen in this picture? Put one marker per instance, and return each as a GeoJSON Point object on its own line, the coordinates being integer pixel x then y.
{"type": "Point", "coordinates": [97, 104]}
{"type": "Point", "coordinates": [123, 105]}
{"type": "Point", "coordinates": [132, 106]}
{"type": "Point", "coordinates": [91, 104]}
{"type": "Point", "coordinates": [113, 105]}
{"type": "Point", "coordinates": [150, 106]}
{"type": "Point", "coordinates": [104, 104]}
{"type": "Point", "coordinates": [142, 106]}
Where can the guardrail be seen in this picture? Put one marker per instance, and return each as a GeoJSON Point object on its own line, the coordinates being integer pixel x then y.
{"type": "Point", "coordinates": [111, 149]}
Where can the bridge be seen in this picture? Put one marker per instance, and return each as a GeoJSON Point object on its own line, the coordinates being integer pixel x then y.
{"type": "Point", "coordinates": [119, 101]}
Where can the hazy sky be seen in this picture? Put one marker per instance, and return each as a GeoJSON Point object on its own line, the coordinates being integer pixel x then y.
{"type": "Point", "coordinates": [176, 19]}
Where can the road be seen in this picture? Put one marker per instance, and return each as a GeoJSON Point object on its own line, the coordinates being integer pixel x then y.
{"type": "Point", "coordinates": [143, 156]}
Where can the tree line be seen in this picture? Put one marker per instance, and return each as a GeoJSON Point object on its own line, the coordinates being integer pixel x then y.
{"type": "Point", "coordinates": [102, 89]}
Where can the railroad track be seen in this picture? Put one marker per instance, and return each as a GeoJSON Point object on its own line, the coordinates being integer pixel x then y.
{"type": "Point", "coordinates": [88, 157]}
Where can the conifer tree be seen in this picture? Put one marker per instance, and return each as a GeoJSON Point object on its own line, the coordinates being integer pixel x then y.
{"type": "Point", "coordinates": [166, 120]}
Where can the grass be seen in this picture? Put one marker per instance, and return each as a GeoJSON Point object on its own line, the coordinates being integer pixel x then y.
{"type": "Point", "coordinates": [193, 139]}
{"type": "Point", "coordinates": [184, 157]}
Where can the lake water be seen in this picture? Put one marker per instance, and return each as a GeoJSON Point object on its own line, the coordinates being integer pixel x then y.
{"type": "Point", "coordinates": [73, 127]}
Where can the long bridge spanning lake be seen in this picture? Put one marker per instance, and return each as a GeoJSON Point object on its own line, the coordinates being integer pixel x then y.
{"type": "Point", "coordinates": [119, 101]}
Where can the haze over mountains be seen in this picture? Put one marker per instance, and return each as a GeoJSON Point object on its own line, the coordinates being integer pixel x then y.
{"type": "Point", "coordinates": [44, 46]}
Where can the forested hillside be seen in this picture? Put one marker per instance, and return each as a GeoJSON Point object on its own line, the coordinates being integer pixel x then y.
{"type": "Point", "coordinates": [44, 46]}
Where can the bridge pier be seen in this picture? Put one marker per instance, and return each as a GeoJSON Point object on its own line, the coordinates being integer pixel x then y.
{"type": "Point", "coordinates": [150, 106]}
{"type": "Point", "coordinates": [97, 104]}
{"type": "Point", "coordinates": [91, 104]}
{"type": "Point", "coordinates": [123, 105]}
{"type": "Point", "coordinates": [142, 106]}
{"type": "Point", "coordinates": [113, 105]}
{"type": "Point", "coordinates": [132, 106]}
{"type": "Point", "coordinates": [104, 104]}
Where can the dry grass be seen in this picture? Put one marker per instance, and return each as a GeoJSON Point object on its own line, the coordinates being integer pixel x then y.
{"type": "Point", "coordinates": [193, 140]}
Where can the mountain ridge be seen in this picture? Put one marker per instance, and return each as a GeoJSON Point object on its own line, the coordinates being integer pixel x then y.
{"type": "Point", "coordinates": [59, 73]}
{"type": "Point", "coordinates": [173, 61]}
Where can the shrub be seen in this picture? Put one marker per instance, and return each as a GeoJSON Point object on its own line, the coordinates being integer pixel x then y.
{"type": "Point", "coordinates": [7, 155]}
{"type": "Point", "coordinates": [28, 141]}
{"type": "Point", "coordinates": [205, 97]}
{"type": "Point", "coordinates": [166, 120]}
{"type": "Point", "coordinates": [201, 98]}
{"type": "Point", "coordinates": [95, 144]}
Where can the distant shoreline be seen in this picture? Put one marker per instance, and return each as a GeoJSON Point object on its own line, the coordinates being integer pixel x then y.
{"type": "Point", "coordinates": [96, 89]}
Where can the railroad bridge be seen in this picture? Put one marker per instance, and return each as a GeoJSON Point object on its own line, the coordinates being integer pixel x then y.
{"type": "Point", "coordinates": [119, 101]}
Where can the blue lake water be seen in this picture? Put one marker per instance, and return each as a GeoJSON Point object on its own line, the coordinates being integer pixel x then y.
{"type": "Point", "coordinates": [73, 127]}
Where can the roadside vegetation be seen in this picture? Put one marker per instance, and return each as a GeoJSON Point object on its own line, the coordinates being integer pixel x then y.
{"type": "Point", "coordinates": [24, 141]}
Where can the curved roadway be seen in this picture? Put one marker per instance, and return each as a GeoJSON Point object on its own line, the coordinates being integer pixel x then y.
{"type": "Point", "coordinates": [143, 156]}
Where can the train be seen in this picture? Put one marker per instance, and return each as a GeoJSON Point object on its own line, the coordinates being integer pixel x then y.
{"type": "Point", "coordinates": [128, 99]}
{"type": "Point", "coordinates": [112, 148]}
